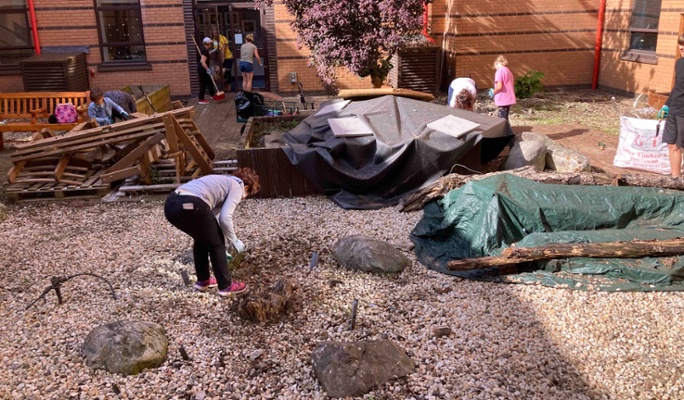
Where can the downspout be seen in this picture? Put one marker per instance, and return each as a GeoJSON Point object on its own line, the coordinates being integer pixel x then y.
{"type": "Point", "coordinates": [34, 27]}
{"type": "Point", "coordinates": [425, 24]}
{"type": "Point", "coordinates": [599, 43]}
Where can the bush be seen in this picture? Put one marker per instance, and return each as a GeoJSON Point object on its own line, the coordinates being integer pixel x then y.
{"type": "Point", "coordinates": [529, 84]}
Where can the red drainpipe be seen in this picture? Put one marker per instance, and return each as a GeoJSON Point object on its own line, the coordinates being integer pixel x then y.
{"type": "Point", "coordinates": [425, 25]}
{"type": "Point", "coordinates": [34, 26]}
{"type": "Point", "coordinates": [599, 41]}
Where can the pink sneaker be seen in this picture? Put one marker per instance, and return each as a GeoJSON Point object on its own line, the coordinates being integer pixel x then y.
{"type": "Point", "coordinates": [203, 102]}
{"type": "Point", "coordinates": [235, 287]}
{"type": "Point", "coordinates": [203, 286]}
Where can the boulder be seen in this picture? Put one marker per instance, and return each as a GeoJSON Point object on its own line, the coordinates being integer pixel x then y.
{"type": "Point", "coordinates": [526, 153]}
{"type": "Point", "coordinates": [367, 254]}
{"type": "Point", "coordinates": [354, 368]}
{"type": "Point", "coordinates": [559, 158]}
{"type": "Point", "coordinates": [126, 347]}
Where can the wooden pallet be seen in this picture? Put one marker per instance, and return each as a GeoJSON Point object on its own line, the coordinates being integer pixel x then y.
{"type": "Point", "coordinates": [164, 177]}
{"type": "Point", "coordinates": [92, 187]}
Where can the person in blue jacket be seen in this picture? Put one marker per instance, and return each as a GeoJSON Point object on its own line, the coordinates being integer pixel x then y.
{"type": "Point", "coordinates": [104, 110]}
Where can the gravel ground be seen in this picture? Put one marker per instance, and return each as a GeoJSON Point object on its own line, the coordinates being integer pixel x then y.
{"type": "Point", "coordinates": [507, 341]}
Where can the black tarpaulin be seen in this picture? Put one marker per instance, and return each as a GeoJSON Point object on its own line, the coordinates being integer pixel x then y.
{"type": "Point", "coordinates": [401, 156]}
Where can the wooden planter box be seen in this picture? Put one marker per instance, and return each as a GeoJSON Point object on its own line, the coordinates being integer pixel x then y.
{"type": "Point", "coordinates": [657, 100]}
{"type": "Point", "coordinates": [160, 96]}
{"type": "Point", "coordinates": [278, 177]}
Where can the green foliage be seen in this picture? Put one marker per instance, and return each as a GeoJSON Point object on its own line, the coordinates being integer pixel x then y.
{"type": "Point", "coordinates": [529, 84]}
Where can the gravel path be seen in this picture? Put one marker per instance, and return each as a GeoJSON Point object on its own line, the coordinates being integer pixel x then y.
{"type": "Point", "coordinates": [507, 341]}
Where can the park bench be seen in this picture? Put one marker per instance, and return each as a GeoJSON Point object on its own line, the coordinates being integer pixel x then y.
{"type": "Point", "coordinates": [29, 111]}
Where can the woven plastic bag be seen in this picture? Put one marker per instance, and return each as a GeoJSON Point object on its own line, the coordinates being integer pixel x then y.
{"type": "Point", "coordinates": [641, 146]}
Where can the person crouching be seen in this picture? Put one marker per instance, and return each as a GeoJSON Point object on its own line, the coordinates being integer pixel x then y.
{"type": "Point", "coordinates": [192, 208]}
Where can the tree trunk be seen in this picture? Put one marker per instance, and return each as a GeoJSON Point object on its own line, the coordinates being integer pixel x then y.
{"type": "Point", "coordinates": [376, 81]}
{"type": "Point", "coordinates": [437, 190]}
{"type": "Point", "coordinates": [631, 249]}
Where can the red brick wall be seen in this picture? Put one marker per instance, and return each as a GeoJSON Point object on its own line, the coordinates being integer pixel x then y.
{"type": "Point", "coordinates": [632, 76]}
{"type": "Point", "coordinates": [293, 59]}
{"type": "Point", "coordinates": [72, 23]}
{"type": "Point", "coordinates": [554, 37]}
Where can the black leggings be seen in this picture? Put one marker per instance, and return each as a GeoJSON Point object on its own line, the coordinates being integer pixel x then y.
{"type": "Point", "coordinates": [193, 216]}
{"type": "Point", "coordinates": [503, 112]}
{"type": "Point", "coordinates": [205, 83]}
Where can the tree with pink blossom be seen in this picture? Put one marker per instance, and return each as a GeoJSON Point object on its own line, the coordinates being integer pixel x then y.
{"type": "Point", "coordinates": [361, 35]}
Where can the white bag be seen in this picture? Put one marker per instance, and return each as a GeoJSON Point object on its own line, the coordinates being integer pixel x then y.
{"type": "Point", "coordinates": [640, 148]}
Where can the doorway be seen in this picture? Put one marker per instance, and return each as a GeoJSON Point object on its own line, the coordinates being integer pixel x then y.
{"type": "Point", "coordinates": [235, 21]}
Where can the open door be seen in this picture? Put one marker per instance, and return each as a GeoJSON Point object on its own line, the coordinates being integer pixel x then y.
{"type": "Point", "coordinates": [244, 19]}
{"type": "Point", "coordinates": [234, 21]}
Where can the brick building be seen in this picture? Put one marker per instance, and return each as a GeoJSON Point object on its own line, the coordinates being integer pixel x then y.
{"type": "Point", "coordinates": [149, 41]}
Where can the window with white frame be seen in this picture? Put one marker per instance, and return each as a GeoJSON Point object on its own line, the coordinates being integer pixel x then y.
{"type": "Point", "coordinates": [644, 25]}
{"type": "Point", "coordinates": [15, 34]}
{"type": "Point", "coordinates": [120, 29]}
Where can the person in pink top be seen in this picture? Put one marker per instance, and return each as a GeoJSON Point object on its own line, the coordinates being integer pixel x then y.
{"type": "Point", "coordinates": [504, 87]}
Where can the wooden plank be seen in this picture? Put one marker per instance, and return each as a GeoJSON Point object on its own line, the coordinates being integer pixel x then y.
{"type": "Point", "coordinates": [121, 153]}
{"type": "Point", "coordinates": [205, 145]}
{"type": "Point", "coordinates": [61, 166]}
{"type": "Point", "coordinates": [14, 171]}
{"type": "Point", "coordinates": [80, 147]}
{"type": "Point", "coordinates": [94, 179]}
{"type": "Point", "coordinates": [192, 148]}
{"type": "Point", "coordinates": [139, 188]}
{"type": "Point", "coordinates": [109, 177]}
{"type": "Point", "coordinates": [134, 155]}
{"type": "Point", "coordinates": [145, 167]}
{"type": "Point", "coordinates": [120, 127]}
{"type": "Point", "coordinates": [170, 131]}
{"type": "Point", "coordinates": [28, 127]}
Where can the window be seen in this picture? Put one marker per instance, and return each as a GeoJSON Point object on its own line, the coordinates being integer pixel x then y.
{"type": "Point", "coordinates": [121, 32]}
{"type": "Point", "coordinates": [644, 25]}
{"type": "Point", "coordinates": [15, 34]}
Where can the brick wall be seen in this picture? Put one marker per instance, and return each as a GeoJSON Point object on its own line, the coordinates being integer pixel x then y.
{"type": "Point", "coordinates": [293, 59]}
{"type": "Point", "coordinates": [73, 23]}
{"type": "Point", "coordinates": [619, 73]}
{"type": "Point", "coordinates": [556, 38]}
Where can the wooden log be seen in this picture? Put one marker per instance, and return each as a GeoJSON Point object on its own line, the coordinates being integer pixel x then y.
{"type": "Point", "coordinates": [417, 200]}
{"type": "Point", "coordinates": [630, 249]}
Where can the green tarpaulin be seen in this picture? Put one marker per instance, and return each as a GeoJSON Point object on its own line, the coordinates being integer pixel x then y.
{"type": "Point", "coordinates": [484, 217]}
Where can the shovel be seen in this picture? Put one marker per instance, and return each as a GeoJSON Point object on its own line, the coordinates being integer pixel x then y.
{"type": "Point", "coordinates": [148, 99]}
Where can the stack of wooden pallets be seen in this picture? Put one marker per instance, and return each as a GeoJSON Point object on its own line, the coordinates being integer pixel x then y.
{"type": "Point", "coordinates": [89, 161]}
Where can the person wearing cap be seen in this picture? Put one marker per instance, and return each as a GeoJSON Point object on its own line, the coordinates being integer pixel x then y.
{"type": "Point", "coordinates": [205, 72]}
{"type": "Point", "coordinates": [248, 52]}
{"type": "Point", "coordinates": [194, 208]}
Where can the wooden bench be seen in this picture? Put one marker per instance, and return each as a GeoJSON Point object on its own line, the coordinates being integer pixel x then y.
{"type": "Point", "coordinates": [29, 111]}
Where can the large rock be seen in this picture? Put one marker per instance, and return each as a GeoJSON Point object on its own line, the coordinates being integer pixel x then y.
{"type": "Point", "coordinates": [559, 158]}
{"type": "Point", "coordinates": [367, 254]}
{"type": "Point", "coordinates": [354, 368]}
{"type": "Point", "coordinates": [526, 153]}
{"type": "Point", "coordinates": [126, 347]}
